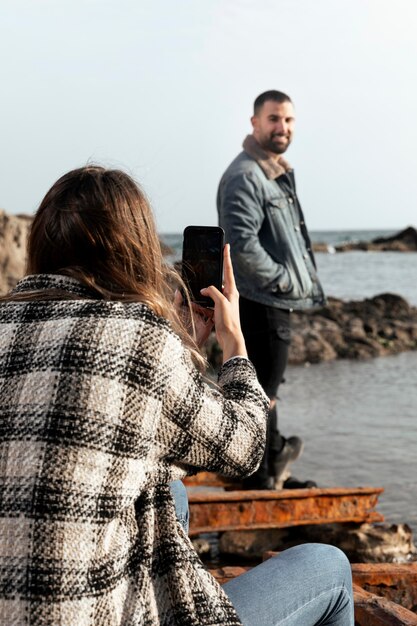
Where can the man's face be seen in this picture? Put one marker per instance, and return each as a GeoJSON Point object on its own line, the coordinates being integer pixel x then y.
{"type": "Point", "coordinates": [273, 126]}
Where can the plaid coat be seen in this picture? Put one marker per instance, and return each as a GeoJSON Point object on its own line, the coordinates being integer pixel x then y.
{"type": "Point", "coordinates": [100, 408]}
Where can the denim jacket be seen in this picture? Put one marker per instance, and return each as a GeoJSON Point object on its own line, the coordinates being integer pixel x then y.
{"type": "Point", "coordinates": [270, 247]}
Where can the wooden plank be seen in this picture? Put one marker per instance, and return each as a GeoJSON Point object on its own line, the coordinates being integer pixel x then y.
{"type": "Point", "coordinates": [373, 610]}
{"type": "Point", "coordinates": [213, 511]}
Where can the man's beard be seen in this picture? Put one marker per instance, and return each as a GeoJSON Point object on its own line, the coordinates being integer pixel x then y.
{"type": "Point", "coordinates": [277, 148]}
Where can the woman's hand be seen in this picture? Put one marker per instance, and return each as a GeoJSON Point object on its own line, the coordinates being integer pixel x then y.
{"type": "Point", "coordinates": [202, 318]}
{"type": "Point", "coordinates": [226, 312]}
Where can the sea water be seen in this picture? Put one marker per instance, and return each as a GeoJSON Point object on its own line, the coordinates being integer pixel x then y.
{"type": "Point", "coordinates": [358, 421]}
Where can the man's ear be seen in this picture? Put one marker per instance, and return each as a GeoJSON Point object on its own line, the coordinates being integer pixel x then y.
{"type": "Point", "coordinates": [254, 121]}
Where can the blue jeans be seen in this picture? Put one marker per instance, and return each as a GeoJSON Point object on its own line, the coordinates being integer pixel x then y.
{"type": "Point", "coordinates": [179, 493]}
{"type": "Point", "coordinates": [307, 585]}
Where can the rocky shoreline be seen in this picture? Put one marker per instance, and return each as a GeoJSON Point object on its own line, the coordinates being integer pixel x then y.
{"type": "Point", "coordinates": [14, 230]}
{"type": "Point", "coordinates": [379, 326]}
{"type": "Point", "coordinates": [403, 241]}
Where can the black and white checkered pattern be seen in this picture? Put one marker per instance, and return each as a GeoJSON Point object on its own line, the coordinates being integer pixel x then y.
{"type": "Point", "coordinates": [100, 408]}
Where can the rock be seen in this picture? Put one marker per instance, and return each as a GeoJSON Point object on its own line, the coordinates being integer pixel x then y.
{"type": "Point", "coordinates": [201, 546]}
{"type": "Point", "coordinates": [317, 348]}
{"type": "Point", "coordinates": [366, 543]}
{"type": "Point", "coordinates": [362, 543]}
{"type": "Point", "coordinates": [298, 350]}
{"type": "Point", "coordinates": [385, 324]}
{"type": "Point", "coordinates": [403, 241]}
{"type": "Point", "coordinates": [14, 230]}
{"type": "Point", "coordinates": [322, 247]}
{"type": "Point", "coordinates": [252, 543]}
{"type": "Point", "coordinates": [356, 328]}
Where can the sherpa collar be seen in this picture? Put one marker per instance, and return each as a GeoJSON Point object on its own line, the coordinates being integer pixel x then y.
{"type": "Point", "coordinates": [271, 168]}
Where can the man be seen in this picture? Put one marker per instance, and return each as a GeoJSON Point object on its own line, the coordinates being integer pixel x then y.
{"type": "Point", "coordinates": [273, 262]}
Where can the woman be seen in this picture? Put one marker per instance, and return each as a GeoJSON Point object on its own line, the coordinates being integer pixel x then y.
{"type": "Point", "coordinates": [102, 406]}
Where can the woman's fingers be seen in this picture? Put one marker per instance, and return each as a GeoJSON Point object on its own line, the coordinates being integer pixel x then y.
{"type": "Point", "coordinates": [226, 312]}
{"type": "Point", "coordinates": [213, 293]}
{"type": "Point", "coordinates": [229, 289]}
{"type": "Point", "coordinates": [229, 278]}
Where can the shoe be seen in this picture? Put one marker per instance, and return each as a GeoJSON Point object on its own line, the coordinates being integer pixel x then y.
{"type": "Point", "coordinates": [291, 451]}
{"type": "Point", "coordinates": [293, 483]}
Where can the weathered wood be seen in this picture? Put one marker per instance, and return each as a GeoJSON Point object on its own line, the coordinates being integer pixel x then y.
{"type": "Point", "coordinates": [373, 610]}
{"type": "Point", "coordinates": [396, 582]}
{"type": "Point", "coordinates": [212, 511]}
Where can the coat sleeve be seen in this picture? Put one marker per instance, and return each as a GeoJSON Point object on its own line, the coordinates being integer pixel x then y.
{"type": "Point", "coordinates": [217, 429]}
{"type": "Point", "coordinates": [241, 214]}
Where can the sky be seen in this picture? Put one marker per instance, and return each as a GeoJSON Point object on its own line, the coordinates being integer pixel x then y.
{"type": "Point", "coordinates": [164, 89]}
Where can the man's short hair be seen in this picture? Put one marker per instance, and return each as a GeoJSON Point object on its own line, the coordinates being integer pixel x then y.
{"type": "Point", "coordinates": [275, 96]}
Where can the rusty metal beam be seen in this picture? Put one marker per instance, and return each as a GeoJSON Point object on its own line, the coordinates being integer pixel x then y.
{"type": "Point", "coordinates": [228, 572]}
{"type": "Point", "coordinates": [210, 479]}
{"type": "Point", "coordinates": [212, 511]}
{"type": "Point", "coordinates": [373, 610]}
{"type": "Point", "coordinates": [396, 582]}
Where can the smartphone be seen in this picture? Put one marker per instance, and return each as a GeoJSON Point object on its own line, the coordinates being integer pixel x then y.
{"type": "Point", "coordinates": [202, 261]}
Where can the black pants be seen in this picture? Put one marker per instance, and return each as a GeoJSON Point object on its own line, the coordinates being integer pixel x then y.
{"type": "Point", "coordinates": [267, 335]}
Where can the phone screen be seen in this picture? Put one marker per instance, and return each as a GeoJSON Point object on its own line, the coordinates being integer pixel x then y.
{"type": "Point", "coordinates": [202, 260]}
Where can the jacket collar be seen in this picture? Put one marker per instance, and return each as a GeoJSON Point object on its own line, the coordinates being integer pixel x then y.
{"type": "Point", "coordinates": [56, 282]}
{"type": "Point", "coordinates": [271, 168]}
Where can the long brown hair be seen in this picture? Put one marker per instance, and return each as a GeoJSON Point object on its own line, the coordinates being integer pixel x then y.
{"type": "Point", "coordinates": [96, 225]}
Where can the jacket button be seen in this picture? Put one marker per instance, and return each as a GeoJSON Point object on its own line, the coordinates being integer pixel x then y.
{"type": "Point", "coordinates": [296, 228]}
{"type": "Point", "coordinates": [305, 256]}
{"type": "Point", "coordinates": [290, 200]}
